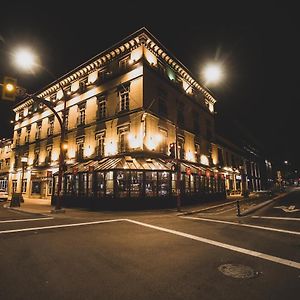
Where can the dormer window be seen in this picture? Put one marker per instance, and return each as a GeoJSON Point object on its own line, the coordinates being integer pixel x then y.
{"type": "Point", "coordinates": [83, 85]}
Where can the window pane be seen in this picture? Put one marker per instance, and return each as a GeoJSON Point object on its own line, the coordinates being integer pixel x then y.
{"type": "Point", "coordinates": [151, 184]}
{"type": "Point", "coordinates": [163, 183]}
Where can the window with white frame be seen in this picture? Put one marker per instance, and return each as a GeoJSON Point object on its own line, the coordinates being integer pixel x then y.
{"type": "Point", "coordinates": [123, 138]}
{"type": "Point", "coordinates": [81, 116]}
{"type": "Point", "coordinates": [100, 138]}
{"type": "Point", "coordinates": [48, 154]}
{"type": "Point", "coordinates": [124, 98]}
{"type": "Point", "coordinates": [101, 107]}
{"type": "Point", "coordinates": [38, 130]}
{"type": "Point", "coordinates": [80, 148]}
{"type": "Point", "coordinates": [50, 126]}
{"type": "Point", "coordinates": [36, 157]}
{"type": "Point", "coordinates": [27, 136]}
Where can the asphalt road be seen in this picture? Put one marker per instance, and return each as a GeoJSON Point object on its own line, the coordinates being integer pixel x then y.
{"type": "Point", "coordinates": [151, 255]}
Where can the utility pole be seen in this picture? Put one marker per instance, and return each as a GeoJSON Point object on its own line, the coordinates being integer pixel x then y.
{"type": "Point", "coordinates": [178, 167]}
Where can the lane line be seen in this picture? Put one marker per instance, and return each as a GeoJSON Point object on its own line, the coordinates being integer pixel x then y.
{"type": "Point", "coordinates": [276, 218]}
{"type": "Point", "coordinates": [26, 220]}
{"type": "Point", "coordinates": [58, 226]}
{"type": "Point", "coordinates": [261, 255]}
{"type": "Point", "coordinates": [244, 225]}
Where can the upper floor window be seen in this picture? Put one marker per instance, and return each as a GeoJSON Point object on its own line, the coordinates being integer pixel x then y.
{"type": "Point", "coordinates": [21, 114]}
{"type": "Point", "coordinates": [101, 107]}
{"type": "Point", "coordinates": [36, 157]}
{"type": "Point", "coordinates": [180, 116]}
{"type": "Point", "coordinates": [48, 154]}
{"type": "Point", "coordinates": [181, 152]}
{"type": "Point", "coordinates": [197, 152]}
{"type": "Point", "coordinates": [123, 138]}
{"type": "Point", "coordinates": [100, 144]}
{"type": "Point", "coordinates": [18, 137]}
{"type": "Point", "coordinates": [124, 63]}
{"type": "Point", "coordinates": [83, 84]}
{"type": "Point", "coordinates": [220, 157]}
{"type": "Point", "coordinates": [80, 149]}
{"type": "Point", "coordinates": [7, 162]}
{"type": "Point", "coordinates": [38, 130]}
{"type": "Point", "coordinates": [163, 141]}
{"type": "Point", "coordinates": [124, 98]}
{"type": "Point", "coordinates": [27, 136]}
{"type": "Point", "coordinates": [81, 116]}
{"type": "Point", "coordinates": [196, 123]}
{"type": "Point", "coordinates": [50, 126]}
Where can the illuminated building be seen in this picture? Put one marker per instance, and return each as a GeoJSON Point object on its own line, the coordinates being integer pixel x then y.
{"type": "Point", "coordinates": [5, 154]}
{"type": "Point", "coordinates": [122, 111]}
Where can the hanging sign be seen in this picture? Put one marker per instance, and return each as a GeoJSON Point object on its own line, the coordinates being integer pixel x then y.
{"type": "Point", "coordinates": [207, 173]}
{"type": "Point", "coordinates": [75, 171]}
{"type": "Point", "coordinates": [91, 168]}
{"type": "Point", "coordinates": [188, 171]}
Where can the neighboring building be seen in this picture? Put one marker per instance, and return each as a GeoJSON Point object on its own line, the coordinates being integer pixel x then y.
{"type": "Point", "coordinates": [126, 108]}
{"type": "Point", "coordinates": [5, 157]}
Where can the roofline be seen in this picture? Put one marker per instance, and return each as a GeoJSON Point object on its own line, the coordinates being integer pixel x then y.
{"type": "Point", "coordinates": [115, 46]}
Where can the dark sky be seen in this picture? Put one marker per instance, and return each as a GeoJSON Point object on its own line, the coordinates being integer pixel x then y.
{"type": "Point", "coordinates": [255, 43]}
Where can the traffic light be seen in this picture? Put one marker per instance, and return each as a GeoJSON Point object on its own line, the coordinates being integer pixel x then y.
{"type": "Point", "coordinates": [172, 150]}
{"type": "Point", "coordinates": [9, 89]}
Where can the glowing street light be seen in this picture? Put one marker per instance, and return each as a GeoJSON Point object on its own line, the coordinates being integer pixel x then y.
{"type": "Point", "coordinates": [24, 59]}
{"type": "Point", "coordinates": [212, 73]}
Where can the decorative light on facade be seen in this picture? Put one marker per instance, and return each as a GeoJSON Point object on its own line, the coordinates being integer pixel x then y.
{"type": "Point", "coordinates": [135, 141]}
{"type": "Point", "coordinates": [153, 141]}
{"type": "Point", "coordinates": [190, 156]}
{"type": "Point", "coordinates": [111, 148]}
{"type": "Point", "coordinates": [204, 160]}
{"type": "Point", "coordinates": [88, 151]}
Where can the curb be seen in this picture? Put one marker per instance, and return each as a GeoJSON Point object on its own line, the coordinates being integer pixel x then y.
{"type": "Point", "coordinates": [256, 207]}
{"type": "Point", "coordinates": [25, 211]}
{"type": "Point", "coordinates": [207, 208]}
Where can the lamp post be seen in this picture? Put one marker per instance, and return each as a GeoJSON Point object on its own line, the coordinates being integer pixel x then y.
{"type": "Point", "coordinates": [24, 160]}
{"type": "Point", "coordinates": [27, 61]}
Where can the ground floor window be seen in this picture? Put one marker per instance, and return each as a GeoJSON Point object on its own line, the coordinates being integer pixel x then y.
{"type": "Point", "coordinates": [3, 184]}
{"type": "Point", "coordinates": [24, 185]}
{"type": "Point", "coordinates": [14, 186]}
{"type": "Point", "coordinates": [151, 184]}
{"type": "Point", "coordinates": [36, 187]}
{"type": "Point", "coordinates": [50, 184]}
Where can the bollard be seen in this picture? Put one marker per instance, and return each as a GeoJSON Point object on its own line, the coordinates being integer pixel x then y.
{"type": "Point", "coordinates": [238, 208]}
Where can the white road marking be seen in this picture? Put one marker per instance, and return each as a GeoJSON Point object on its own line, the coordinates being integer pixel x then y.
{"type": "Point", "coordinates": [58, 226]}
{"type": "Point", "coordinates": [244, 225]}
{"type": "Point", "coordinates": [276, 218]}
{"type": "Point", "coordinates": [272, 258]}
{"type": "Point", "coordinates": [26, 220]}
{"type": "Point", "coordinates": [268, 257]}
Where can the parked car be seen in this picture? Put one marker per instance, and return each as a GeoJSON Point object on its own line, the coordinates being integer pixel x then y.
{"type": "Point", "coordinates": [3, 195]}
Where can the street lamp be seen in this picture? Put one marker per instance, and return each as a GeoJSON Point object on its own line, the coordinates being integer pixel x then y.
{"type": "Point", "coordinates": [26, 60]}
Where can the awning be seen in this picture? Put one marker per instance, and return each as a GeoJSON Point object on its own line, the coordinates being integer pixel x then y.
{"type": "Point", "coordinates": [121, 163]}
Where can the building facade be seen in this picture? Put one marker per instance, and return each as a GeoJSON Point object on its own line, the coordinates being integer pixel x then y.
{"type": "Point", "coordinates": [127, 109]}
{"type": "Point", "coordinates": [5, 156]}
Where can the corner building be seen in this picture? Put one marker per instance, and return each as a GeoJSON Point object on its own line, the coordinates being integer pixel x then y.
{"type": "Point", "coordinates": [125, 109]}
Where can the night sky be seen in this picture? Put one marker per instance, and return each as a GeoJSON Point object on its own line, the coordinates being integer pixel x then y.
{"type": "Point", "coordinates": [255, 43]}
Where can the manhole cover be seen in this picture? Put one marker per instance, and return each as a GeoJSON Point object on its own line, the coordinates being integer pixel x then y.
{"type": "Point", "coordinates": [237, 271]}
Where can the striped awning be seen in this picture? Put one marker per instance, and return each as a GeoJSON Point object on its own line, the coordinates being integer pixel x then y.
{"type": "Point", "coordinates": [121, 163]}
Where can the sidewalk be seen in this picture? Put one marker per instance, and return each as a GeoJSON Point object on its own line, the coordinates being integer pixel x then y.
{"type": "Point", "coordinates": [43, 206]}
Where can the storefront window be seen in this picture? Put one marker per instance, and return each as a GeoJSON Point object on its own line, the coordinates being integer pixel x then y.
{"type": "Point", "coordinates": [100, 184]}
{"type": "Point", "coordinates": [187, 183]}
{"type": "Point", "coordinates": [136, 184]}
{"type": "Point", "coordinates": [173, 183]}
{"type": "Point", "coordinates": [163, 183]}
{"type": "Point", "coordinates": [123, 183]}
{"type": "Point", "coordinates": [109, 178]}
{"type": "Point", "coordinates": [151, 184]}
{"type": "Point", "coordinates": [50, 187]}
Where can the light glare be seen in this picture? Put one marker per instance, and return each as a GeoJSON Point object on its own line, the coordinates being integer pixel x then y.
{"type": "Point", "coordinates": [24, 59]}
{"type": "Point", "coordinates": [212, 73]}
